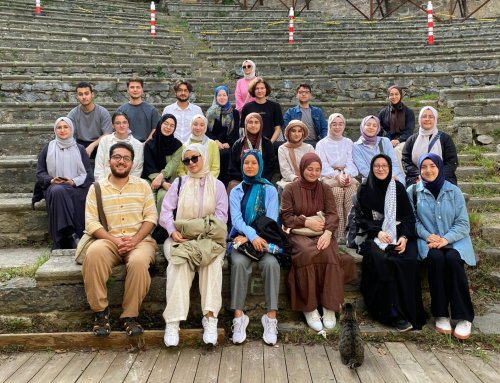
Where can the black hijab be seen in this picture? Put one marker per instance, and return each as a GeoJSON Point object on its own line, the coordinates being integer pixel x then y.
{"type": "Point", "coordinates": [371, 194]}
{"type": "Point", "coordinates": [158, 148]}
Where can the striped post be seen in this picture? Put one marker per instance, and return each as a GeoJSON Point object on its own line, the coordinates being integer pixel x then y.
{"type": "Point", "coordinates": [38, 8]}
{"type": "Point", "coordinates": [153, 19]}
{"type": "Point", "coordinates": [291, 17]}
{"type": "Point", "coordinates": [430, 24]}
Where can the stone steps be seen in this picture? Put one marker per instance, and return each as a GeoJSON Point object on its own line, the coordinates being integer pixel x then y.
{"type": "Point", "coordinates": [478, 125]}
{"type": "Point", "coordinates": [58, 288]}
{"type": "Point", "coordinates": [483, 107]}
{"type": "Point", "coordinates": [459, 94]}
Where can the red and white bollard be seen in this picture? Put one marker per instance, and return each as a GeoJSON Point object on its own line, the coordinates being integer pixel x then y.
{"type": "Point", "coordinates": [291, 17]}
{"type": "Point", "coordinates": [38, 8]}
{"type": "Point", "coordinates": [430, 24]}
{"type": "Point", "coordinates": [153, 19]}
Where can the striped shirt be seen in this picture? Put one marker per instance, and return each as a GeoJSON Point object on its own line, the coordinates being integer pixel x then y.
{"type": "Point", "coordinates": [126, 209]}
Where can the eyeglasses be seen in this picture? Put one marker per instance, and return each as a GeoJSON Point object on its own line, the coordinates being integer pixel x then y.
{"type": "Point", "coordinates": [304, 92]}
{"type": "Point", "coordinates": [381, 166]}
{"type": "Point", "coordinates": [117, 157]}
{"type": "Point", "coordinates": [193, 159]}
{"type": "Point", "coordinates": [246, 66]}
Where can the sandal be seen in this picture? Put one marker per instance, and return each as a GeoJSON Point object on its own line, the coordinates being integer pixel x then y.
{"type": "Point", "coordinates": [132, 328]}
{"type": "Point", "coordinates": [101, 323]}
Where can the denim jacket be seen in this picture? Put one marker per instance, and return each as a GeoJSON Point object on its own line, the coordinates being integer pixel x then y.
{"type": "Point", "coordinates": [445, 216]}
{"type": "Point", "coordinates": [320, 124]}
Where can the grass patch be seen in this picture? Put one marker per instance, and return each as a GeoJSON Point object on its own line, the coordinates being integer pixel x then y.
{"type": "Point", "coordinates": [422, 100]}
{"type": "Point", "coordinates": [23, 272]}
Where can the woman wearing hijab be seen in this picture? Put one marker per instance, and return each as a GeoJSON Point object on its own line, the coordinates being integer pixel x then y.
{"type": "Point", "coordinates": [370, 144]}
{"type": "Point", "coordinates": [429, 140]}
{"type": "Point", "coordinates": [397, 120]}
{"type": "Point", "coordinates": [223, 127]}
{"type": "Point", "coordinates": [252, 139]}
{"type": "Point", "coordinates": [162, 155]}
{"type": "Point", "coordinates": [200, 195]}
{"type": "Point", "coordinates": [338, 169]}
{"type": "Point", "coordinates": [199, 125]}
{"type": "Point", "coordinates": [291, 152]}
{"type": "Point", "coordinates": [241, 92]}
{"type": "Point", "coordinates": [249, 200]}
{"type": "Point", "coordinates": [444, 241]}
{"type": "Point", "coordinates": [64, 175]}
{"type": "Point", "coordinates": [122, 133]}
{"type": "Point", "coordinates": [390, 281]}
{"type": "Point", "coordinates": [318, 270]}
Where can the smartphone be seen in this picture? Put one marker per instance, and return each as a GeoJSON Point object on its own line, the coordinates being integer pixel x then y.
{"type": "Point", "coordinates": [390, 248]}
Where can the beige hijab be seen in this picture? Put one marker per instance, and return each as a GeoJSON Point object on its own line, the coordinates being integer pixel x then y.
{"type": "Point", "coordinates": [189, 198]}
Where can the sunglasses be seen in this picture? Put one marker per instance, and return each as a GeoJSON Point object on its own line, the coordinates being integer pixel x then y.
{"type": "Point", "coordinates": [246, 66]}
{"type": "Point", "coordinates": [193, 159]}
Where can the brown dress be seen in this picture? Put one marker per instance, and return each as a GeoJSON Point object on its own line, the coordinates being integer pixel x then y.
{"type": "Point", "coordinates": [317, 277]}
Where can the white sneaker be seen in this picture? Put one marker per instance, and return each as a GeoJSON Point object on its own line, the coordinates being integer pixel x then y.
{"type": "Point", "coordinates": [240, 329]}
{"type": "Point", "coordinates": [209, 330]}
{"type": "Point", "coordinates": [443, 325]}
{"type": "Point", "coordinates": [463, 329]}
{"type": "Point", "coordinates": [270, 334]}
{"type": "Point", "coordinates": [171, 337]}
{"type": "Point", "coordinates": [329, 319]}
{"type": "Point", "coordinates": [314, 320]}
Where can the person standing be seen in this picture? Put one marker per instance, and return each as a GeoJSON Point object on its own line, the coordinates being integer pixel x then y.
{"type": "Point", "coordinates": [91, 121]}
{"type": "Point", "coordinates": [142, 116]}
{"type": "Point", "coordinates": [131, 215]}
{"type": "Point", "coordinates": [183, 110]}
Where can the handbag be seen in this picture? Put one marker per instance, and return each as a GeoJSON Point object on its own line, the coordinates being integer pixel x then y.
{"type": "Point", "coordinates": [248, 250]}
{"type": "Point", "coordinates": [309, 232]}
{"type": "Point", "coordinates": [87, 239]}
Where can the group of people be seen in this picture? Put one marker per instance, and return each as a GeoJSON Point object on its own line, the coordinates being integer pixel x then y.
{"type": "Point", "coordinates": [206, 179]}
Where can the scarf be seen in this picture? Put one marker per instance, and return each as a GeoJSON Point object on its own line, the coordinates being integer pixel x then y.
{"type": "Point", "coordinates": [203, 138]}
{"type": "Point", "coordinates": [424, 138]}
{"type": "Point", "coordinates": [252, 73]}
{"type": "Point", "coordinates": [188, 205]}
{"type": "Point", "coordinates": [397, 115]}
{"type": "Point", "coordinates": [252, 141]}
{"type": "Point", "coordinates": [433, 186]}
{"type": "Point", "coordinates": [367, 140]}
{"type": "Point", "coordinates": [291, 146]}
{"type": "Point", "coordinates": [311, 192]}
{"type": "Point", "coordinates": [158, 148]}
{"type": "Point", "coordinates": [332, 117]}
{"type": "Point", "coordinates": [253, 201]}
{"type": "Point", "coordinates": [386, 197]}
{"type": "Point", "coordinates": [63, 156]}
{"type": "Point", "coordinates": [221, 113]}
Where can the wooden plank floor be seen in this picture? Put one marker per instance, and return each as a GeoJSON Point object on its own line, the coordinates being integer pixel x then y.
{"type": "Point", "coordinates": [252, 362]}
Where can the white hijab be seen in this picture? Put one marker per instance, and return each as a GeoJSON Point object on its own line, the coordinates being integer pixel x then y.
{"type": "Point", "coordinates": [188, 205]}
{"type": "Point", "coordinates": [197, 139]}
{"type": "Point", "coordinates": [425, 136]}
{"type": "Point", "coordinates": [63, 156]}
{"type": "Point", "coordinates": [252, 73]}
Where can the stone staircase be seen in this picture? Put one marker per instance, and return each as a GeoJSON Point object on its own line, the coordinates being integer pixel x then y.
{"type": "Point", "coordinates": [348, 62]}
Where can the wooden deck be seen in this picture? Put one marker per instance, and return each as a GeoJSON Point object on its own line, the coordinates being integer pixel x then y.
{"type": "Point", "coordinates": [253, 362]}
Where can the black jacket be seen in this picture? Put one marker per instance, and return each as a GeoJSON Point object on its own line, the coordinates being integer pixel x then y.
{"type": "Point", "coordinates": [384, 117]}
{"type": "Point", "coordinates": [268, 156]}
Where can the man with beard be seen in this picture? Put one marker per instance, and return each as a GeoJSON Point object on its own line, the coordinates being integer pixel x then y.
{"type": "Point", "coordinates": [131, 214]}
{"type": "Point", "coordinates": [142, 116]}
{"type": "Point", "coordinates": [91, 121]}
{"type": "Point", "coordinates": [183, 110]}
{"type": "Point", "coordinates": [310, 115]}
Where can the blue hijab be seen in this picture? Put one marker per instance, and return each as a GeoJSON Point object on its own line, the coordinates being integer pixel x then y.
{"type": "Point", "coordinates": [433, 186]}
{"type": "Point", "coordinates": [253, 202]}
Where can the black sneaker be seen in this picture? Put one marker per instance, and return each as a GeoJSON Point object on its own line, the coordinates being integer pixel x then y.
{"type": "Point", "coordinates": [403, 325]}
{"type": "Point", "coordinates": [101, 323]}
{"type": "Point", "coordinates": [132, 328]}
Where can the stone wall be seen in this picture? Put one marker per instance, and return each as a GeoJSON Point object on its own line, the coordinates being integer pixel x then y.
{"type": "Point", "coordinates": [341, 8]}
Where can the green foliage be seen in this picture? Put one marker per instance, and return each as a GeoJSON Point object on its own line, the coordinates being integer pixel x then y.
{"type": "Point", "coordinates": [23, 272]}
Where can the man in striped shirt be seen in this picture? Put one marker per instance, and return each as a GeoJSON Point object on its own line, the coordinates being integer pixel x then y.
{"type": "Point", "coordinates": [131, 215]}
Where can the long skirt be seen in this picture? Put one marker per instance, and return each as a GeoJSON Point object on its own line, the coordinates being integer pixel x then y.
{"type": "Point", "coordinates": [66, 210]}
{"type": "Point", "coordinates": [316, 277]}
{"type": "Point", "coordinates": [390, 284]}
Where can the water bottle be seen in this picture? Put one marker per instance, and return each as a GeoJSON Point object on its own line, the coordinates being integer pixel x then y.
{"type": "Point", "coordinates": [274, 249]}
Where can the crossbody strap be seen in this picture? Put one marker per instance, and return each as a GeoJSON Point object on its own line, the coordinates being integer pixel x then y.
{"type": "Point", "coordinates": [380, 147]}
{"type": "Point", "coordinates": [100, 209]}
{"type": "Point", "coordinates": [178, 191]}
{"type": "Point", "coordinates": [433, 141]}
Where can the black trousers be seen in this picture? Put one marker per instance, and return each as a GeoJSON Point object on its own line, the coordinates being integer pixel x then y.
{"type": "Point", "coordinates": [448, 285]}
